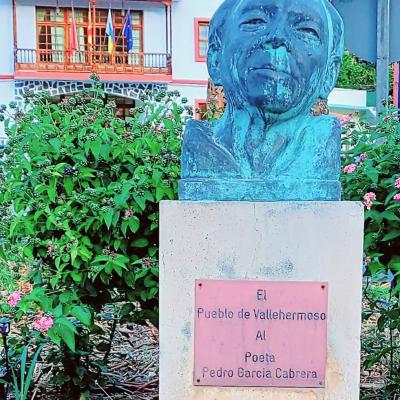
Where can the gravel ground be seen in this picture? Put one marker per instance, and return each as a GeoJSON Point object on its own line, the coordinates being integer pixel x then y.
{"type": "Point", "coordinates": [132, 372]}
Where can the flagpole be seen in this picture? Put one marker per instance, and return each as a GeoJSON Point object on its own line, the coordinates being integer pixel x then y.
{"type": "Point", "coordinates": [90, 35]}
{"type": "Point", "coordinates": [94, 26]}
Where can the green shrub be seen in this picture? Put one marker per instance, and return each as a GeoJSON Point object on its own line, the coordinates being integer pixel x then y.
{"type": "Point", "coordinates": [372, 175]}
{"type": "Point", "coordinates": [356, 74]}
{"type": "Point", "coordinates": [84, 187]}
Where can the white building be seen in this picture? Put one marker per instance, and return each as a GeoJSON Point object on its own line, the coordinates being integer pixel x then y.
{"type": "Point", "coordinates": [169, 46]}
{"type": "Point", "coordinates": [170, 39]}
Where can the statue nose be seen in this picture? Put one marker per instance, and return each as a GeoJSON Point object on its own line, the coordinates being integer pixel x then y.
{"type": "Point", "coordinates": [278, 41]}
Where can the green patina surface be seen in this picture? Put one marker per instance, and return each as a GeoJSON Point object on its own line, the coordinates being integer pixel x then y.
{"type": "Point", "coordinates": [274, 58]}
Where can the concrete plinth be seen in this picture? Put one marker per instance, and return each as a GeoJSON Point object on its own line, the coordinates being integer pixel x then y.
{"type": "Point", "coordinates": [296, 241]}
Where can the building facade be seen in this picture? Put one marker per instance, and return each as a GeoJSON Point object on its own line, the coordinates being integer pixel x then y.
{"type": "Point", "coordinates": [168, 50]}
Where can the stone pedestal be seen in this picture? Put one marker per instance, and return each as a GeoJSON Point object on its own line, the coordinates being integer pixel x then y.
{"type": "Point", "coordinates": [287, 241]}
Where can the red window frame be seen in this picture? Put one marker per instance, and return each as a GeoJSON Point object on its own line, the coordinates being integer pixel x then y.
{"type": "Point", "coordinates": [197, 23]}
{"type": "Point", "coordinates": [199, 104]}
{"type": "Point", "coordinates": [99, 25]}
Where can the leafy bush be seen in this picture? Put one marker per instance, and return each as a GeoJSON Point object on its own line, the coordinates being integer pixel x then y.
{"type": "Point", "coordinates": [84, 186]}
{"type": "Point", "coordinates": [356, 74]}
{"type": "Point", "coordinates": [372, 175]}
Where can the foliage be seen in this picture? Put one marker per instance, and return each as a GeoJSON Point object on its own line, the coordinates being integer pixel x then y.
{"type": "Point", "coordinates": [22, 383]}
{"type": "Point", "coordinates": [372, 176]}
{"type": "Point", "coordinates": [84, 186]}
{"type": "Point", "coordinates": [356, 74]}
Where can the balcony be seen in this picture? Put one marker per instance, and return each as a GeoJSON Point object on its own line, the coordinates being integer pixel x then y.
{"type": "Point", "coordinates": [92, 61]}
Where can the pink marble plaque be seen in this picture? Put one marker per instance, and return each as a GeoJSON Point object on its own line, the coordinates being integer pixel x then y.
{"type": "Point", "coordinates": [254, 333]}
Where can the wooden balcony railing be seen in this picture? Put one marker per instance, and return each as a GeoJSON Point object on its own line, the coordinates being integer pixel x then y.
{"type": "Point", "coordinates": [92, 61]}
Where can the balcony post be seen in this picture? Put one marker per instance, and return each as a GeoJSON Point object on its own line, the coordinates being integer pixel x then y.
{"type": "Point", "coordinates": [14, 10]}
{"type": "Point", "coordinates": [170, 29]}
{"type": "Point", "coordinates": [166, 29]}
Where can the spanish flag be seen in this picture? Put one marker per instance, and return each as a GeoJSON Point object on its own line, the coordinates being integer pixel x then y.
{"type": "Point", "coordinates": [110, 32]}
{"type": "Point", "coordinates": [90, 28]}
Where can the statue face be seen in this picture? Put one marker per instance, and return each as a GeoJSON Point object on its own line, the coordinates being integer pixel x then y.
{"type": "Point", "coordinates": [276, 52]}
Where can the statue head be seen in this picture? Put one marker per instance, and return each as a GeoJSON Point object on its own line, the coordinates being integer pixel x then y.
{"type": "Point", "coordinates": [279, 56]}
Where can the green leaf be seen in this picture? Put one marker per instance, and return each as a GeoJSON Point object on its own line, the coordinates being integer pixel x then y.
{"type": "Point", "coordinates": [68, 185]}
{"type": "Point", "coordinates": [87, 172]}
{"type": "Point", "coordinates": [74, 253]}
{"type": "Point", "coordinates": [390, 216]}
{"type": "Point", "coordinates": [159, 193]}
{"type": "Point", "coordinates": [95, 147]}
{"type": "Point", "coordinates": [116, 218]}
{"type": "Point", "coordinates": [84, 253]}
{"type": "Point", "coordinates": [31, 370]}
{"type": "Point", "coordinates": [123, 197]}
{"type": "Point", "coordinates": [65, 323]}
{"type": "Point", "coordinates": [391, 235]}
{"type": "Point", "coordinates": [51, 191]}
{"type": "Point", "coordinates": [76, 276]}
{"type": "Point", "coordinates": [56, 144]}
{"type": "Point", "coordinates": [53, 281]}
{"type": "Point", "coordinates": [124, 227]}
{"type": "Point", "coordinates": [134, 223]}
{"type": "Point", "coordinates": [52, 334]}
{"type": "Point", "coordinates": [28, 251]}
{"type": "Point", "coordinates": [68, 337]}
{"type": "Point", "coordinates": [372, 174]}
{"type": "Point", "coordinates": [141, 202]}
{"type": "Point", "coordinates": [126, 309]}
{"type": "Point", "coordinates": [82, 314]}
{"type": "Point", "coordinates": [149, 282]}
{"type": "Point", "coordinates": [142, 242]}
{"type": "Point", "coordinates": [108, 217]}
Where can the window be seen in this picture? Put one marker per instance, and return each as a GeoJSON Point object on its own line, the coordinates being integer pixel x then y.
{"type": "Point", "coordinates": [201, 28]}
{"type": "Point", "coordinates": [51, 31]}
{"type": "Point", "coordinates": [123, 104]}
{"type": "Point", "coordinates": [200, 109]}
{"type": "Point", "coordinates": [54, 31]}
{"type": "Point", "coordinates": [118, 22]}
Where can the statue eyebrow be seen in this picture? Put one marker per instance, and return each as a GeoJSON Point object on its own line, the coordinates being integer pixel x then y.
{"type": "Point", "coordinates": [260, 9]}
{"type": "Point", "coordinates": [305, 16]}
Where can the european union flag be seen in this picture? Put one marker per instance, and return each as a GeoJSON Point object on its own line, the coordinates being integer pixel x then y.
{"type": "Point", "coordinates": [127, 32]}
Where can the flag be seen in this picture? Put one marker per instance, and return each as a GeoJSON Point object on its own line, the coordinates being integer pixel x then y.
{"type": "Point", "coordinates": [90, 28]}
{"type": "Point", "coordinates": [127, 32]}
{"type": "Point", "coordinates": [73, 42]}
{"type": "Point", "coordinates": [110, 32]}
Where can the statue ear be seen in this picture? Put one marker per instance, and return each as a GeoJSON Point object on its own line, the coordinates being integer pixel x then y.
{"type": "Point", "coordinates": [331, 77]}
{"type": "Point", "coordinates": [213, 59]}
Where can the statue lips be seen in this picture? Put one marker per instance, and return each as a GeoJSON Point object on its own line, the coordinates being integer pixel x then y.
{"type": "Point", "coordinates": [270, 71]}
{"type": "Point", "coordinates": [271, 64]}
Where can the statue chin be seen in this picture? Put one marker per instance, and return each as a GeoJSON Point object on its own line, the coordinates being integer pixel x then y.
{"type": "Point", "coordinates": [270, 103]}
{"type": "Point", "coordinates": [273, 96]}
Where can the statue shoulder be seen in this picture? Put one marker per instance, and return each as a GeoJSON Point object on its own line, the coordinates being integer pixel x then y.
{"type": "Point", "coordinates": [328, 124]}
{"type": "Point", "coordinates": [202, 156]}
{"type": "Point", "coordinates": [197, 130]}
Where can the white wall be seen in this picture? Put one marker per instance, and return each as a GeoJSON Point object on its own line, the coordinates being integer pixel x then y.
{"type": "Point", "coordinates": [184, 13]}
{"type": "Point", "coordinates": [154, 37]}
{"type": "Point", "coordinates": [6, 38]}
{"type": "Point", "coordinates": [348, 97]}
{"type": "Point", "coordinates": [191, 92]}
{"type": "Point", "coordinates": [154, 34]}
